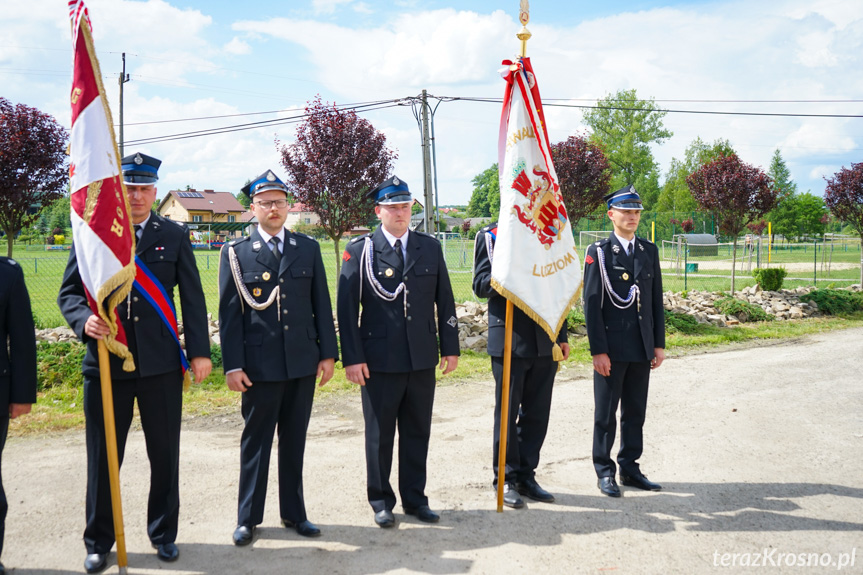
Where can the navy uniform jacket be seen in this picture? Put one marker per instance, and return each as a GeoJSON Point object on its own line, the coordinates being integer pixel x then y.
{"type": "Point", "coordinates": [629, 334]}
{"type": "Point", "coordinates": [263, 344]}
{"type": "Point", "coordinates": [528, 338]}
{"type": "Point", "coordinates": [167, 253]}
{"type": "Point", "coordinates": [388, 340]}
{"type": "Point", "coordinates": [18, 349]}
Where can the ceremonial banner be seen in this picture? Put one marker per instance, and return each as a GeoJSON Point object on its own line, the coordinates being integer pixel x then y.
{"type": "Point", "coordinates": [101, 224]}
{"type": "Point", "coordinates": [535, 263]}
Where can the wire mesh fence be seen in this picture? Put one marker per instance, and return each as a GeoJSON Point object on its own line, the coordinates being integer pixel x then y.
{"type": "Point", "coordinates": [685, 266]}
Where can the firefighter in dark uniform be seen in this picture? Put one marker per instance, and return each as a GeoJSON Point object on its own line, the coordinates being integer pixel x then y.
{"type": "Point", "coordinates": [156, 382]}
{"type": "Point", "coordinates": [626, 331]}
{"type": "Point", "coordinates": [532, 372]}
{"type": "Point", "coordinates": [17, 361]}
{"type": "Point", "coordinates": [278, 336]}
{"type": "Point", "coordinates": [391, 283]}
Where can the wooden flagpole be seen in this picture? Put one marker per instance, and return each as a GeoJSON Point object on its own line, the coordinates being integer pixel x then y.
{"type": "Point", "coordinates": [113, 460]}
{"type": "Point", "coordinates": [524, 36]}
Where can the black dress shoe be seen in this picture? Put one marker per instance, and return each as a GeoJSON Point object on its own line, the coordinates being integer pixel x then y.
{"type": "Point", "coordinates": [423, 513]}
{"type": "Point", "coordinates": [640, 481]}
{"type": "Point", "coordinates": [510, 496]}
{"type": "Point", "coordinates": [305, 528]}
{"type": "Point", "coordinates": [95, 562]}
{"type": "Point", "coordinates": [530, 488]}
{"type": "Point", "coordinates": [243, 535]}
{"type": "Point", "coordinates": [385, 519]}
{"type": "Point", "coordinates": [608, 486]}
{"type": "Point", "coordinates": [167, 552]}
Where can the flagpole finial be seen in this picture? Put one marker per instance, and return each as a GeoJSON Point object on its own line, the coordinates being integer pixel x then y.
{"type": "Point", "coordinates": [524, 34]}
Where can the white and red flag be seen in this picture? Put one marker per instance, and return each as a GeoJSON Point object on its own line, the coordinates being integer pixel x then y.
{"type": "Point", "coordinates": [101, 224]}
{"type": "Point", "coordinates": [535, 263]}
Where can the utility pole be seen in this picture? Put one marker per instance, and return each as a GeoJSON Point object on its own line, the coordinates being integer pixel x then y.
{"type": "Point", "coordinates": [124, 77]}
{"type": "Point", "coordinates": [428, 222]}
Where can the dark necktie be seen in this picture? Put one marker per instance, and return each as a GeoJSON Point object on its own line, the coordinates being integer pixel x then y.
{"type": "Point", "coordinates": [398, 248]}
{"type": "Point", "coordinates": [629, 249]}
{"type": "Point", "coordinates": [137, 231]}
{"type": "Point", "coordinates": [274, 246]}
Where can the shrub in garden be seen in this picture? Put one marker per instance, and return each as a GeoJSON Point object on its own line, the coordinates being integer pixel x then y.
{"type": "Point", "coordinates": [680, 323]}
{"type": "Point", "coordinates": [770, 279]}
{"type": "Point", "coordinates": [59, 364]}
{"type": "Point", "coordinates": [742, 310]}
{"type": "Point", "coordinates": [835, 301]}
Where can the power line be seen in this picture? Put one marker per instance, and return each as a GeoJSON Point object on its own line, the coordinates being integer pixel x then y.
{"type": "Point", "coordinates": [669, 111]}
{"type": "Point", "coordinates": [262, 124]}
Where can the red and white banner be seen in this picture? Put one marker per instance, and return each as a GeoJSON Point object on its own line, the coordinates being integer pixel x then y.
{"type": "Point", "coordinates": [535, 264]}
{"type": "Point", "coordinates": [101, 224]}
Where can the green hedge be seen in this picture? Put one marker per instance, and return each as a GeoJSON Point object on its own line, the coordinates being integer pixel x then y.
{"type": "Point", "coordinates": [770, 279]}
{"type": "Point", "coordinates": [835, 301]}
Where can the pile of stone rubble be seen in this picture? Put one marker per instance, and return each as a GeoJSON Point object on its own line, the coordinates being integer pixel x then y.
{"type": "Point", "coordinates": [473, 316]}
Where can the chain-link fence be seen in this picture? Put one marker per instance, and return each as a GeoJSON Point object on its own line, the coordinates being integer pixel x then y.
{"type": "Point", "coordinates": [685, 266]}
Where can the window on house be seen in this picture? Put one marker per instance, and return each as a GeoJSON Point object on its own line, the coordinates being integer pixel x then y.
{"type": "Point", "coordinates": [197, 218]}
{"type": "Point", "coordinates": [308, 220]}
{"type": "Point", "coordinates": [232, 218]}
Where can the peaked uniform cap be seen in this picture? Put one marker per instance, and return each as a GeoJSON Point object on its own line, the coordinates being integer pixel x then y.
{"type": "Point", "coordinates": [391, 191]}
{"type": "Point", "coordinates": [140, 169]}
{"type": "Point", "coordinates": [626, 198]}
{"type": "Point", "coordinates": [264, 183]}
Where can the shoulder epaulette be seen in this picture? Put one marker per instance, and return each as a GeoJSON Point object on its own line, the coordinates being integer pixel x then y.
{"type": "Point", "coordinates": [302, 235]}
{"type": "Point", "coordinates": [9, 261]}
{"type": "Point", "coordinates": [238, 240]}
{"type": "Point", "coordinates": [358, 238]}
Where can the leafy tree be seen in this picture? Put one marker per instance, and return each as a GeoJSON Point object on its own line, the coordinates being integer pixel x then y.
{"type": "Point", "coordinates": [33, 166]}
{"type": "Point", "coordinates": [810, 214]}
{"type": "Point", "coordinates": [626, 126]}
{"type": "Point", "coordinates": [843, 196]}
{"type": "Point", "coordinates": [783, 217]}
{"type": "Point", "coordinates": [485, 198]}
{"type": "Point", "coordinates": [584, 175]}
{"type": "Point", "coordinates": [735, 192]}
{"type": "Point", "coordinates": [675, 196]}
{"type": "Point", "coordinates": [245, 200]}
{"type": "Point", "coordinates": [336, 158]}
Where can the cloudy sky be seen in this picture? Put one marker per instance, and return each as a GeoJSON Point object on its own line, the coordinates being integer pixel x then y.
{"type": "Point", "coordinates": [254, 61]}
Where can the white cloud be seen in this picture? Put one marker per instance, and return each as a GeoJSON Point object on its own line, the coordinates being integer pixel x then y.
{"type": "Point", "coordinates": [237, 47]}
{"type": "Point", "coordinates": [327, 6]}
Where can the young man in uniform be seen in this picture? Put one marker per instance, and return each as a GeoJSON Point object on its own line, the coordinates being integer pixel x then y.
{"type": "Point", "coordinates": [626, 331]}
{"type": "Point", "coordinates": [391, 283]}
{"type": "Point", "coordinates": [157, 381]}
{"type": "Point", "coordinates": [278, 336]}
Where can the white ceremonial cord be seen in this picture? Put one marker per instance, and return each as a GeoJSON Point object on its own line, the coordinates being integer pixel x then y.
{"type": "Point", "coordinates": [367, 263]}
{"type": "Point", "coordinates": [244, 291]}
{"type": "Point", "coordinates": [634, 291]}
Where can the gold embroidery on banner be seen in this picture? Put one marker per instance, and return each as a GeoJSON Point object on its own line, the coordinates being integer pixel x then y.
{"type": "Point", "coordinates": [76, 93]}
{"type": "Point", "coordinates": [93, 191]}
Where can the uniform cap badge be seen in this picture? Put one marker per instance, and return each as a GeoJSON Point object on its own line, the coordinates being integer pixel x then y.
{"type": "Point", "coordinates": [138, 159]}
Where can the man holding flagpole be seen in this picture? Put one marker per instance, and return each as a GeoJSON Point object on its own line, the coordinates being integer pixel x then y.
{"type": "Point", "coordinates": [531, 381]}
{"type": "Point", "coordinates": [164, 261]}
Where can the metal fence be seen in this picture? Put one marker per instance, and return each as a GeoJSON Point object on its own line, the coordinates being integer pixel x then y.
{"type": "Point", "coordinates": [834, 263]}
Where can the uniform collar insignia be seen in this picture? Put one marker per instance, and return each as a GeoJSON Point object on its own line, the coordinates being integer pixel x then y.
{"type": "Point", "coordinates": [615, 248]}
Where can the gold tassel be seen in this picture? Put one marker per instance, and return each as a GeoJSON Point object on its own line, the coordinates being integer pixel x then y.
{"type": "Point", "coordinates": [187, 380]}
{"type": "Point", "coordinates": [128, 363]}
{"type": "Point", "coordinates": [556, 353]}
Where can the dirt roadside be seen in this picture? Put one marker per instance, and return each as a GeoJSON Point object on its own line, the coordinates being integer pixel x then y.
{"type": "Point", "coordinates": [760, 451]}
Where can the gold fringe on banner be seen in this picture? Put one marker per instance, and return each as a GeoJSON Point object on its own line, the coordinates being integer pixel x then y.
{"type": "Point", "coordinates": [116, 290]}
